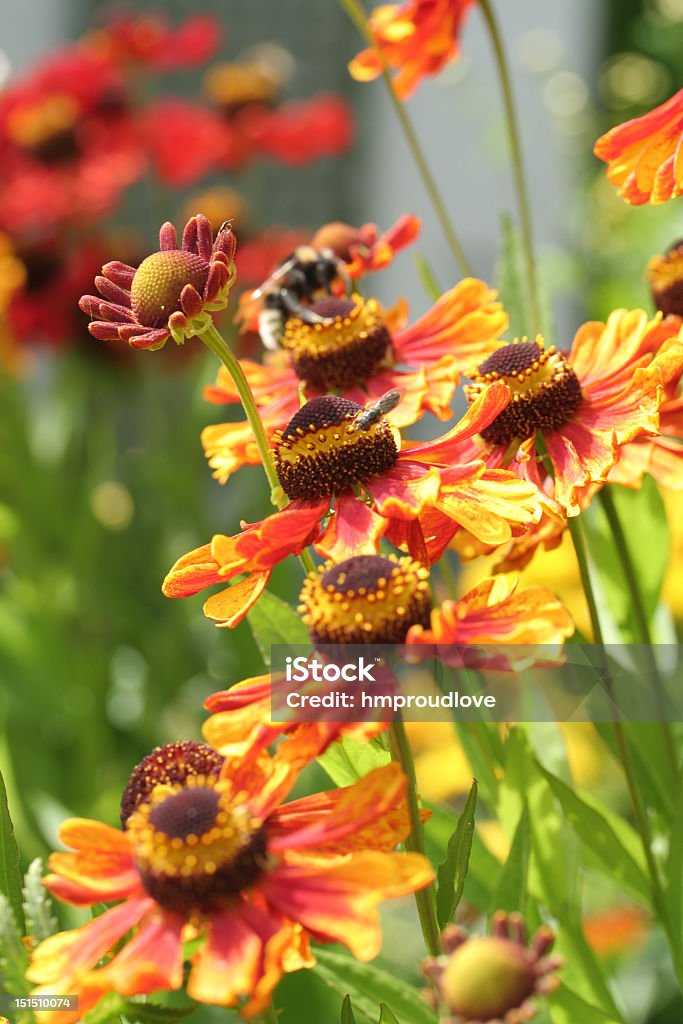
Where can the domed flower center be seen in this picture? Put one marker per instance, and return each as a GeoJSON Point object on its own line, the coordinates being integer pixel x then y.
{"type": "Point", "coordinates": [344, 352]}
{"type": "Point", "coordinates": [47, 129]}
{"type": "Point", "coordinates": [159, 280]}
{"type": "Point", "coordinates": [232, 86]}
{"type": "Point", "coordinates": [486, 978]}
{"type": "Point", "coordinates": [367, 599]}
{"type": "Point", "coordinates": [323, 450]}
{"type": "Point", "coordinates": [170, 764]}
{"type": "Point", "coordinates": [545, 390]}
{"type": "Point", "coordinates": [665, 274]}
{"type": "Point", "coordinates": [196, 850]}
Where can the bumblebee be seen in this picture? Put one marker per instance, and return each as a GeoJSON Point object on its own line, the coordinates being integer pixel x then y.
{"type": "Point", "coordinates": [308, 274]}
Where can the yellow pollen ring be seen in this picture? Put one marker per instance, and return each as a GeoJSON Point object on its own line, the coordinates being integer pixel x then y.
{"type": "Point", "coordinates": [192, 855]}
{"type": "Point", "coordinates": [378, 613]}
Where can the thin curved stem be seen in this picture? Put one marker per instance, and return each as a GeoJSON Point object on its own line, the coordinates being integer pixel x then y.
{"type": "Point", "coordinates": [357, 14]}
{"type": "Point", "coordinates": [216, 343]}
{"type": "Point", "coordinates": [639, 811]}
{"type": "Point", "coordinates": [641, 619]}
{"type": "Point", "coordinates": [424, 898]}
{"type": "Point", "coordinates": [517, 160]}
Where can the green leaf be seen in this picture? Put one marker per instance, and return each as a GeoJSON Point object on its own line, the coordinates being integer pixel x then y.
{"type": "Point", "coordinates": [511, 891]}
{"type": "Point", "coordinates": [552, 870]}
{"type": "Point", "coordinates": [347, 1016]}
{"type": "Point", "coordinates": [386, 1016]}
{"type": "Point", "coordinates": [674, 871]}
{"type": "Point", "coordinates": [608, 842]}
{"type": "Point", "coordinates": [110, 1008]}
{"type": "Point", "coordinates": [567, 1008]}
{"type": "Point", "coordinates": [273, 621]}
{"type": "Point", "coordinates": [155, 1013]}
{"type": "Point", "coordinates": [452, 872]}
{"type": "Point", "coordinates": [13, 953]}
{"type": "Point", "coordinates": [10, 875]}
{"type": "Point", "coordinates": [368, 986]}
{"type": "Point", "coordinates": [645, 508]}
{"type": "Point", "coordinates": [347, 761]}
{"type": "Point", "coordinates": [40, 921]}
{"type": "Point", "coordinates": [427, 277]}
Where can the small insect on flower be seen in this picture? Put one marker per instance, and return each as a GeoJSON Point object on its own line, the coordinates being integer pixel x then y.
{"type": "Point", "coordinates": [373, 413]}
{"type": "Point", "coordinates": [307, 275]}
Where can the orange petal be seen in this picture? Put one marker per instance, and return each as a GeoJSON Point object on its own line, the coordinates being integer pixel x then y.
{"type": "Point", "coordinates": [229, 607]}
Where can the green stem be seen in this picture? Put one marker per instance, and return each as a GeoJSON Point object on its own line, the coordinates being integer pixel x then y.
{"type": "Point", "coordinates": [517, 161]}
{"type": "Point", "coordinates": [639, 812]}
{"type": "Point", "coordinates": [641, 619]}
{"type": "Point", "coordinates": [357, 14]}
{"type": "Point", "coordinates": [424, 898]}
{"type": "Point", "coordinates": [215, 342]}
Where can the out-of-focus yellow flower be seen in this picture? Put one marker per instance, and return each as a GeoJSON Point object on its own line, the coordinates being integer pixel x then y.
{"type": "Point", "coordinates": [442, 769]}
{"type": "Point", "coordinates": [12, 271]}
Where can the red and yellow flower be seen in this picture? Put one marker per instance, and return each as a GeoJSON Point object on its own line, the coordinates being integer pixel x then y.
{"type": "Point", "coordinates": [364, 249]}
{"type": "Point", "coordinates": [377, 599]}
{"type": "Point", "coordinates": [417, 38]}
{"type": "Point", "coordinates": [171, 294]}
{"type": "Point", "coordinates": [363, 353]}
{"type": "Point", "coordinates": [324, 458]}
{"type": "Point", "coordinates": [584, 407]}
{"type": "Point", "coordinates": [645, 156]}
{"type": "Point", "coordinates": [148, 41]}
{"type": "Point", "coordinates": [222, 862]}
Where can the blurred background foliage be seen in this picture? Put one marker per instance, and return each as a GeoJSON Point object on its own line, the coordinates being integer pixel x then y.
{"type": "Point", "coordinates": [103, 482]}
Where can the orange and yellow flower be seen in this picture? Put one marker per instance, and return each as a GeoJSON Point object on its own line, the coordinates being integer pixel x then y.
{"type": "Point", "coordinates": [171, 294]}
{"type": "Point", "coordinates": [221, 861]}
{"type": "Point", "coordinates": [364, 249]}
{"type": "Point", "coordinates": [645, 156]}
{"type": "Point", "coordinates": [417, 39]}
{"type": "Point", "coordinates": [373, 599]}
{"type": "Point", "coordinates": [364, 353]}
{"type": "Point", "coordinates": [324, 458]}
{"type": "Point", "coordinates": [584, 407]}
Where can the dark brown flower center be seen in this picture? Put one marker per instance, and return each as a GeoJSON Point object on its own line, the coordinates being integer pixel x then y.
{"type": "Point", "coordinates": [545, 391]}
{"type": "Point", "coordinates": [344, 352]}
{"type": "Point", "coordinates": [159, 280]}
{"type": "Point", "coordinates": [665, 275]}
{"type": "Point", "coordinates": [366, 599]}
{"type": "Point", "coordinates": [168, 765]}
{"type": "Point", "coordinates": [195, 849]}
{"type": "Point", "coordinates": [322, 451]}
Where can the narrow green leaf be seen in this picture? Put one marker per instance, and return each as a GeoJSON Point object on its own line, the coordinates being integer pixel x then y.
{"type": "Point", "coordinates": [347, 1016]}
{"type": "Point", "coordinates": [13, 954]}
{"type": "Point", "coordinates": [427, 277]}
{"type": "Point", "coordinates": [347, 761]}
{"type": "Point", "coordinates": [552, 871]}
{"type": "Point", "coordinates": [674, 871]}
{"type": "Point", "coordinates": [110, 1008]}
{"type": "Point", "coordinates": [452, 872]}
{"type": "Point", "coordinates": [10, 875]}
{"type": "Point", "coordinates": [567, 1008]}
{"type": "Point", "coordinates": [156, 1013]}
{"type": "Point", "coordinates": [511, 278]}
{"type": "Point", "coordinates": [368, 987]}
{"type": "Point", "coordinates": [386, 1016]}
{"type": "Point", "coordinates": [607, 841]}
{"type": "Point", "coordinates": [511, 891]}
{"type": "Point", "coordinates": [273, 621]}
